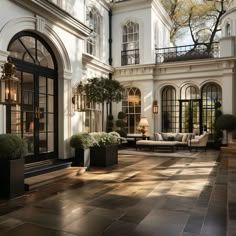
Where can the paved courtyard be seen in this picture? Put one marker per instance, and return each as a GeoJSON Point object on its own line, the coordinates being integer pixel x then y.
{"type": "Point", "coordinates": [146, 194]}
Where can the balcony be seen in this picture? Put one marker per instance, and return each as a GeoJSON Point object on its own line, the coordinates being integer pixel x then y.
{"type": "Point", "coordinates": [187, 52]}
{"type": "Point", "coordinates": [130, 57]}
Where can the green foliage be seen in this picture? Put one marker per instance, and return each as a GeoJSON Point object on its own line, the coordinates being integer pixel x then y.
{"type": "Point", "coordinates": [81, 140]}
{"type": "Point", "coordinates": [122, 132]}
{"type": "Point", "coordinates": [104, 138]}
{"type": "Point", "coordinates": [100, 90]}
{"type": "Point", "coordinates": [120, 123]}
{"type": "Point", "coordinates": [226, 122]}
{"type": "Point", "coordinates": [110, 117]}
{"type": "Point", "coordinates": [12, 146]}
{"type": "Point", "coordinates": [200, 18]}
{"type": "Point", "coordinates": [121, 115]}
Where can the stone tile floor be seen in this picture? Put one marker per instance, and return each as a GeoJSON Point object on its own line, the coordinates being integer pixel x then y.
{"type": "Point", "coordinates": [183, 194]}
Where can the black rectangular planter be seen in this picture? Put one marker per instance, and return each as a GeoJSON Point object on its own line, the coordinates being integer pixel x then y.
{"type": "Point", "coordinates": [11, 178]}
{"type": "Point", "coordinates": [104, 156]}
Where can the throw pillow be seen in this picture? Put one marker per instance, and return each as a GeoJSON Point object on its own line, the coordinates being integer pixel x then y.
{"type": "Point", "coordinates": [185, 138]}
{"type": "Point", "coordinates": [179, 137]}
{"type": "Point", "coordinates": [158, 137]}
{"type": "Point", "coordinates": [164, 136]}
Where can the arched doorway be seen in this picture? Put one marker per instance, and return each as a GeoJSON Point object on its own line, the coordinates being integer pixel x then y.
{"type": "Point", "coordinates": [35, 118]}
{"type": "Point", "coordinates": [190, 110]}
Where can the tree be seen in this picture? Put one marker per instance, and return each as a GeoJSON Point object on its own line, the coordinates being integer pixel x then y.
{"type": "Point", "coordinates": [103, 90]}
{"type": "Point", "coordinates": [200, 17]}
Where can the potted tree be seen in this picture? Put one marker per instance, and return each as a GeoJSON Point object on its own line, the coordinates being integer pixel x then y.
{"type": "Point", "coordinates": [227, 123]}
{"type": "Point", "coordinates": [105, 150]}
{"type": "Point", "coordinates": [12, 150]}
{"type": "Point", "coordinates": [82, 142]}
{"type": "Point", "coordinates": [105, 91]}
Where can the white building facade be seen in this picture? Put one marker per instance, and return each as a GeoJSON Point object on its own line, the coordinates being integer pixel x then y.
{"type": "Point", "coordinates": [57, 44]}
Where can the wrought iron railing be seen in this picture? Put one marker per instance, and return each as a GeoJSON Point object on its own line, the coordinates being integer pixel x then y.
{"type": "Point", "coordinates": [188, 52]}
{"type": "Point", "coordinates": [130, 57]}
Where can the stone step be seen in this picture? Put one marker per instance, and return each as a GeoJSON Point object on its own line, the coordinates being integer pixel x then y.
{"type": "Point", "coordinates": [35, 182]}
{"type": "Point", "coordinates": [46, 166]}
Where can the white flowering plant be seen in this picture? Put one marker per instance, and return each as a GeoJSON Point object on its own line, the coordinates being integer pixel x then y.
{"type": "Point", "coordinates": [103, 138]}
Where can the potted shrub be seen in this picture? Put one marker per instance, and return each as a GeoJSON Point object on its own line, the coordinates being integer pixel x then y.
{"type": "Point", "coordinates": [12, 150]}
{"type": "Point", "coordinates": [121, 124]}
{"type": "Point", "coordinates": [105, 150]}
{"type": "Point", "coordinates": [227, 123]}
{"type": "Point", "coordinates": [82, 142]}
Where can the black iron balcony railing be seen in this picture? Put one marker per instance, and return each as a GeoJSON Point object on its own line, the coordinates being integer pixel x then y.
{"type": "Point", "coordinates": [188, 52]}
{"type": "Point", "coordinates": [130, 57]}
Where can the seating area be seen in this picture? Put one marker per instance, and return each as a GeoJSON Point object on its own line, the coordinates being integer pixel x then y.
{"type": "Point", "coordinates": [173, 141]}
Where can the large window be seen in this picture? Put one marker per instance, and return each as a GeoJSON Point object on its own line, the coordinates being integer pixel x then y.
{"type": "Point", "coordinates": [131, 105]}
{"type": "Point", "coordinates": [211, 93]}
{"type": "Point", "coordinates": [94, 41]}
{"type": "Point", "coordinates": [170, 110]}
{"type": "Point", "coordinates": [130, 44]}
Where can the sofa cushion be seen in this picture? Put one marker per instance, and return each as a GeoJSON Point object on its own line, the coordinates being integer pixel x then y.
{"type": "Point", "coordinates": [164, 136]}
{"type": "Point", "coordinates": [158, 137]}
{"type": "Point", "coordinates": [185, 138]}
{"type": "Point", "coordinates": [179, 137]}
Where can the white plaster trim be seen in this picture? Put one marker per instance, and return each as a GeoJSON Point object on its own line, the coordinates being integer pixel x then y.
{"type": "Point", "coordinates": [96, 64]}
{"type": "Point", "coordinates": [14, 26]}
{"type": "Point", "coordinates": [57, 16]}
{"type": "Point", "coordinates": [17, 25]}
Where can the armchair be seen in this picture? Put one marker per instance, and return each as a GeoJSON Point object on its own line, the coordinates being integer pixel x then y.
{"type": "Point", "coordinates": [198, 142]}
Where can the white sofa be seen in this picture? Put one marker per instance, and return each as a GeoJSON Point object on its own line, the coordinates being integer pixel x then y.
{"type": "Point", "coordinates": [199, 141]}
{"type": "Point", "coordinates": [169, 141]}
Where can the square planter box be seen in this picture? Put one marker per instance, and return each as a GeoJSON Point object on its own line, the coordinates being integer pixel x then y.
{"type": "Point", "coordinates": [11, 178]}
{"type": "Point", "coordinates": [82, 157]}
{"type": "Point", "coordinates": [104, 156]}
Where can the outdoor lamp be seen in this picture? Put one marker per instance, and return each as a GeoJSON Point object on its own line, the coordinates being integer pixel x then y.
{"type": "Point", "coordinates": [155, 107]}
{"type": "Point", "coordinates": [9, 85]}
{"type": "Point", "coordinates": [143, 124]}
{"type": "Point", "coordinates": [79, 98]}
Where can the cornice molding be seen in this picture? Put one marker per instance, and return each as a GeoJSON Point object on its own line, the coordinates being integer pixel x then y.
{"type": "Point", "coordinates": [96, 64]}
{"type": "Point", "coordinates": [56, 15]}
{"type": "Point", "coordinates": [137, 70]}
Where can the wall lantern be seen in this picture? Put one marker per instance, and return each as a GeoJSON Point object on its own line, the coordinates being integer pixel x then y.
{"type": "Point", "coordinates": [79, 98]}
{"type": "Point", "coordinates": [155, 107]}
{"type": "Point", "coordinates": [9, 85]}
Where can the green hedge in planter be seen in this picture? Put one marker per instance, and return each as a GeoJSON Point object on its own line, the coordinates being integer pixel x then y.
{"type": "Point", "coordinates": [12, 151]}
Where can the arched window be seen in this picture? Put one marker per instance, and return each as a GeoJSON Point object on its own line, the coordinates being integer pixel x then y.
{"type": "Point", "coordinates": [94, 41]}
{"type": "Point", "coordinates": [189, 92]}
{"type": "Point", "coordinates": [170, 110]}
{"type": "Point", "coordinates": [130, 44]}
{"type": "Point", "coordinates": [131, 105]}
{"type": "Point", "coordinates": [211, 93]}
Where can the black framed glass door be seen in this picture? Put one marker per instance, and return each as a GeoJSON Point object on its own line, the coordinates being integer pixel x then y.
{"type": "Point", "coordinates": [35, 118]}
{"type": "Point", "coordinates": [191, 116]}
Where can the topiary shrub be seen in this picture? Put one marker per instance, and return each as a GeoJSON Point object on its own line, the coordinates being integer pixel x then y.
{"type": "Point", "coordinates": [109, 123]}
{"type": "Point", "coordinates": [226, 122]}
{"type": "Point", "coordinates": [121, 124]}
{"type": "Point", "coordinates": [12, 146]}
